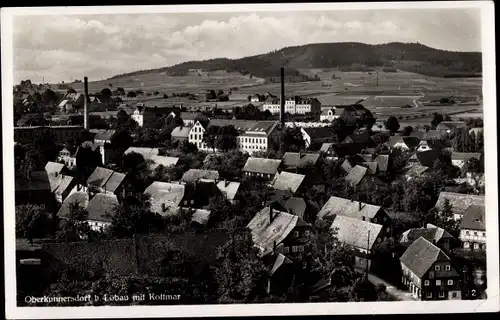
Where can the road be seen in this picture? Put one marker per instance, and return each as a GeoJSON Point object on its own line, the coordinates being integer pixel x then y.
{"type": "Point", "coordinates": [398, 293]}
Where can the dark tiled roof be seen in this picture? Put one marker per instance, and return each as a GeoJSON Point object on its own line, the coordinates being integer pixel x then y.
{"type": "Point", "coordinates": [383, 162]}
{"type": "Point", "coordinates": [197, 174]}
{"type": "Point", "coordinates": [465, 156]}
{"type": "Point", "coordinates": [355, 232]}
{"type": "Point", "coordinates": [288, 181]}
{"type": "Point", "coordinates": [291, 159]}
{"type": "Point", "coordinates": [355, 176]}
{"type": "Point", "coordinates": [474, 218]}
{"type": "Point", "coordinates": [81, 198]}
{"type": "Point", "coordinates": [421, 255]}
{"type": "Point", "coordinates": [319, 132]}
{"type": "Point", "coordinates": [346, 207]}
{"type": "Point", "coordinates": [104, 135]}
{"type": "Point", "coordinates": [262, 165]}
{"type": "Point", "coordinates": [348, 149]}
{"type": "Point", "coordinates": [430, 233]}
{"type": "Point", "coordinates": [101, 206]}
{"type": "Point", "coordinates": [427, 158]}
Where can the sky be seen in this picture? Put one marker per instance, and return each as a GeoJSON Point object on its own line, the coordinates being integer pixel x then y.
{"type": "Point", "coordinates": [64, 47]}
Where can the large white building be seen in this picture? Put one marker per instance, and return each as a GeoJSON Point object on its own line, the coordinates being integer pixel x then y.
{"type": "Point", "coordinates": [252, 135]}
{"type": "Point", "coordinates": [294, 105]}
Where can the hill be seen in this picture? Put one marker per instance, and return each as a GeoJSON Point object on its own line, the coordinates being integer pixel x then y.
{"type": "Point", "coordinates": [347, 56]}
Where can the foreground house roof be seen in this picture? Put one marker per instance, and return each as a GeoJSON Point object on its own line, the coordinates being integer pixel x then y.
{"type": "Point", "coordinates": [266, 232]}
{"type": "Point", "coordinates": [181, 132]}
{"type": "Point", "coordinates": [228, 188]}
{"type": "Point", "coordinates": [81, 198]}
{"type": "Point", "coordinates": [299, 159]}
{"type": "Point", "coordinates": [262, 165]}
{"type": "Point", "coordinates": [346, 207]}
{"type": "Point", "coordinates": [474, 218]}
{"type": "Point", "coordinates": [459, 202]}
{"type": "Point", "coordinates": [355, 232]}
{"type": "Point", "coordinates": [430, 233]}
{"type": "Point", "coordinates": [101, 207]}
{"type": "Point", "coordinates": [165, 196]}
{"type": "Point", "coordinates": [355, 176]}
{"type": "Point", "coordinates": [287, 181]}
{"type": "Point", "coordinates": [105, 178]}
{"type": "Point", "coordinates": [421, 256]}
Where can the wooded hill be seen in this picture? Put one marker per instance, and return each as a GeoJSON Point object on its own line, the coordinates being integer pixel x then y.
{"type": "Point", "coordinates": [347, 56]}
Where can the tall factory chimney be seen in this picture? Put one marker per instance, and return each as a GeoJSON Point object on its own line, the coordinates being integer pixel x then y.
{"type": "Point", "coordinates": [85, 103]}
{"type": "Point", "coordinates": [282, 100]}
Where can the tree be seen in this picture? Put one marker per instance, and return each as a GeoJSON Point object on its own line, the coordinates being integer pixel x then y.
{"type": "Point", "coordinates": [70, 91]}
{"type": "Point", "coordinates": [241, 276]}
{"type": "Point", "coordinates": [407, 131]}
{"type": "Point", "coordinates": [106, 94]}
{"type": "Point", "coordinates": [392, 124]}
{"type": "Point", "coordinates": [436, 119]}
{"type": "Point", "coordinates": [210, 137]}
{"type": "Point", "coordinates": [74, 226]}
{"type": "Point", "coordinates": [146, 137]}
{"type": "Point", "coordinates": [249, 98]}
{"type": "Point", "coordinates": [86, 162]}
{"type": "Point", "coordinates": [288, 140]}
{"type": "Point", "coordinates": [137, 170]}
{"type": "Point", "coordinates": [120, 91]}
{"type": "Point", "coordinates": [226, 138]}
{"type": "Point", "coordinates": [32, 221]}
{"type": "Point", "coordinates": [49, 97]}
{"type": "Point", "coordinates": [131, 94]}
{"type": "Point", "coordinates": [445, 219]}
{"type": "Point", "coordinates": [121, 139]}
{"type": "Point", "coordinates": [472, 165]}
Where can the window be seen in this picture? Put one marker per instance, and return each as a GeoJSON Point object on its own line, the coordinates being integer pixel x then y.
{"type": "Point", "coordinates": [484, 234]}
{"type": "Point", "coordinates": [484, 246]}
{"type": "Point", "coordinates": [466, 245]}
{"type": "Point", "coordinates": [304, 265]}
{"type": "Point", "coordinates": [476, 245]}
{"type": "Point", "coordinates": [306, 233]}
{"type": "Point", "coordinates": [475, 233]}
{"type": "Point", "coordinates": [467, 232]}
{"type": "Point", "coordinates": [286, 249]}
{"type": "Point", "coordinates": [426, 282]}
{"type": "Point", "coordinates": [450, 282]}
{"type": "Point", "coordinates": [448, 267]}
{"type": "Point", "coordinates": [429, 295]}
{"type": "Point", "coordinates": [294, 248]}
{"type": "Point", "coordinates": [437, 268]}
{"type": "Point", "coordinates": [441, 294]}
{"type": "Point", "coordinates": [301, 248]}
{"type": "Point", "coordinates": [295, 233]}
{"type": "Point", "coordinates": [454, 294]}
{"type": "Point", "coordinates": [438, 282]}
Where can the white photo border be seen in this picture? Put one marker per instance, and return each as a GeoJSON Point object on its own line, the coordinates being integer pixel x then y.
{"type": "Point", "coordinates": [492, 303]}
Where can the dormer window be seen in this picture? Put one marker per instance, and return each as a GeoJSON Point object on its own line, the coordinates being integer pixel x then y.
{"type": "Point", "coordinates": [437, 268]}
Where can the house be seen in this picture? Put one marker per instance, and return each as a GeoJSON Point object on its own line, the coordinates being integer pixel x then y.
{"type": "Point", "coordinates": [299, 160]}
{"type": "Point", "coordinates": [156, 161]}
{"type": "Point", "coordinates": [193, 175]}
{"type": "Point", "coordinates": [355, 176]}
{"type": "Point", "coordinates": [287, 181]}
{"type": "Point", "coordinates": [230, 189]}
{"type": "Point", "coordinates": [327, 148]}
{"type": "Point", "coordinates": [342, 150]}
{"type": "Point", "coordinates": [474, 180]}
{"type": "Point", "coordinates": [383, 162]}
{"type": "Point", "coordinates": [274, 230]}
{"type": "Point", "coordinates": [79, 198]}
{"type": "Point", "coordinates": [459, 202]}
{"type": "Point", "coordinates": [68, 157]}
{"type": "Point", "coordinates": [436, 235]}
{"type": "Point", "coordinates": [336, 206]}
{"type": "Point", "coordinates": [449, 126]}
{"type": "Point", "coordinates": [319, 135]}
{"type": "Point", "coordinates": [371, 166]}
{"type": "Point", "coordinates": [280, 271]}
{"type": "Point", "coordinates": [473, 228]}
{"type": "Point", "coordinates": [359, 235]}
{"type": "Point", "coordinates": [293, 205]}
{"type": "Point", "coordinates": [351, 114]}
{"type": "Point", "coordinates": [423, 146]}
{"type": "Point", "coordinates": [200, 219]}
{"type": "Point", "coordinates": [180, 133]}
{"type": "Point", "coordinates": [255, 98]}
{"type": "Point", "coordinates": [363, 138]}
{"type": "Point", "coordinates": [429, 273]}
{"type": "Point", "coordinates": [147, 153]}
{"type": "Point", "coordinates": [415, 171]}
{"type": "Point", "coordinates": [101, 209]}
{"type": "Point", "coordinates": [61, 186]}
{"type": "Point", "coordinates": [418, 134]}
{"type": "Point", "coordinates": [294, 105]}
{"type": "Point", "coordinates": [103, 180]}
{"type": "Point", "coordinates": [104, 136]}
{"type": "Point", "coordinates": [60, 134]}
{"type": "Point", "coordinates": [476, 131]}
{"type": "Point", "coordinates": [459, 159]}
{"type": "Point", "coordinates": [252, 136]}
{"type": "Point", "coordinates": [403, 143]}
{"type": "Point", "coordinates": [166, 197]}
{"type": "Point", "coordinates": [328, 115]}
{"type": "Point", "coordinates": [188, 118]}
{"type": "Point", "coordinates": [147, 116]}
{"type": "Point", "coordinates": [261, 167]}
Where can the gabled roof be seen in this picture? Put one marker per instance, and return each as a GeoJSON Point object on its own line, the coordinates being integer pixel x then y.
{"type": "Point", "coordinates": [410, 142]}
{"type": "Point", "coordinates": [371, 166]}
{"type": "Point", "coordinates": [431, 233]}
{"type": "Point", "coordinates": [201, 216]}
{"type": "Point", "coordinates": [355, 232]}
{"type": "Point", "coordinates": [427, 158]}
{"type": "Point", "coordinates": [198, 174]}
{"type": "Point", "coordinates": [228, 188]}
{"type": "Point", "coordinates": [162, 160]}
{"type": "Point", "coordinates": [240, 125]}
{"type": "Point", "coordinates": [476, 131]}
{"type": "Point", "coordinates": [465, 156]}
{"type": "Point", "coordinates": [383, 162]}
{"type": "Point", "coordinates": [263, 126]}
{"type": "Point", "coordinates": [419, 134]}
{"type": "Point", "coordinates": [274, 260]}
{"type": "Point", "coordinates": [105, 178]}
{"type": "Point", "coordinates": [267, 232]}
{"type": "Point", "coordinates": [54, 167]}
{"type": "Point", "coordinates": [459, 202]}
{"type": "Point", "coordinates": [325, 147]}
{"type": "Point", "coordinates": [355, 176]}
{"type": "Point", "coordinates": [299, 160]}
{"type": "Point", "coordinates": [147, 153]}
{"type": "Point", "coordinates": [474, 218]}
{"type": "Point", "coordinates": [319, 132]}
{"type": "Point", "coordinates": [82, 198]}
{"type": "Point", "coordinates": [432, 134]}
{"type": "Point", "coordinates": [170, 194]}
{"type": "Point", "coordinates": [416, 170]}
{"type": "Point", "coordinates": [287, 181]}
{"type": "Point", "coordinates": [190, 115]}
{"type": "Point", "coordinates": [444, 125]}
{"type": "Point", "coordinates": [346, 207]}
{"type": "Point", "coordinates": [181, 132]}
{"type": "Point", "coordinates": [114, 181]}
{"type": "Point", "coordinates": [63, 184]}
{"type": "Point", "coordinates": [421, 256]}
{"type": "Point", "coordinates": [262, 165]}
{"type": "Point", "coordinates": [101, 206]}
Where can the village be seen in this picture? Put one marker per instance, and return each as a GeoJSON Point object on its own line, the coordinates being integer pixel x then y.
{"type": "Point", "coordinates": [291, 201]}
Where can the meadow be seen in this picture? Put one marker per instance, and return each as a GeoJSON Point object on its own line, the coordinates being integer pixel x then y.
{"type": "Point", "coordinates": [384, 93]}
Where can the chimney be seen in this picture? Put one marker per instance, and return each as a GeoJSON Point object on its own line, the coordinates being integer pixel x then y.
{"type": "Point", "coordinates": [271, 213]}
{"type": "Point", "coordinates": [85, 103]}
{"type": "Point", "coordinates": [225, 183]}
{"type": "Point", "coordinates": [282, 100]}
{"type": "Point", "coordinates": [360, 206]}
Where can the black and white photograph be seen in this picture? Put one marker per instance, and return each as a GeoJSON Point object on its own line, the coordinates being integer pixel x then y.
{"type": "Point", "coordinates": [258, 159]}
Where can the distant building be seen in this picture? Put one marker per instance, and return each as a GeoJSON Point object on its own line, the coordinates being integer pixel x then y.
{"type": "Point", "coordinates": [459, 159]}
{"type": "Point", "coordinates": [147, 116]}
{"type": "Point", "coordinates": [449, 126]}
{"type": "Point", "coordinates": [459, 202]}
{"type": "Point", "coordinates": [261, 167]}
{"type": "Point", "coordinates": [351, 114]}
{"type": "Point", "coordinates": [103, 136]}
{"type": "Point", "coordinates": [101, 209]}
{"type": "Point", "coordinates": [473, 228]}
{"type": "Point", "coordinates": [61, 134]}
{"type": "Point", "coordinates": [328, 115]}
{"type": "Point", "coordinates": [180, 134]}
{"type": "Point", "coordinates": [107, 181]}
{"type": "Point", "coordinates": [429, 273]}
{"type": "Point", "coordinates": [438, 236]}
{"type": "Point", "coordinates": [193, 175]}
{"type": "Point", "coordinates": [255, 98]}
{"type": "Point", "coordinates": [294, 105]}
{"type": "Point", "coordinates": [403, 143]}
{"type": "Point", "coordinates": [317, 135]}
{"type": "Point", "coordinates": [188, 118]}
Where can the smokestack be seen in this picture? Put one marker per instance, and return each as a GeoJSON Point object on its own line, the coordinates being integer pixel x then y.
{"type": "Point", "coordinates": [85, 103]}
{"type": "Point", "coordinates": [282, 100]}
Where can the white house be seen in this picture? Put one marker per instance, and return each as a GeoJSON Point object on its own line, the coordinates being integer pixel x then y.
{"type": "Point", "coordinates": [294, 105]}
{"type": "Point", "coordinates": [473, 228]}
{"type": "Point", "coordinates": [328, 115]}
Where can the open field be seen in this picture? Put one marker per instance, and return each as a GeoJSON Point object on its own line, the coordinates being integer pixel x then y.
{"type": "Point", "coordinates": [384, 98]}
